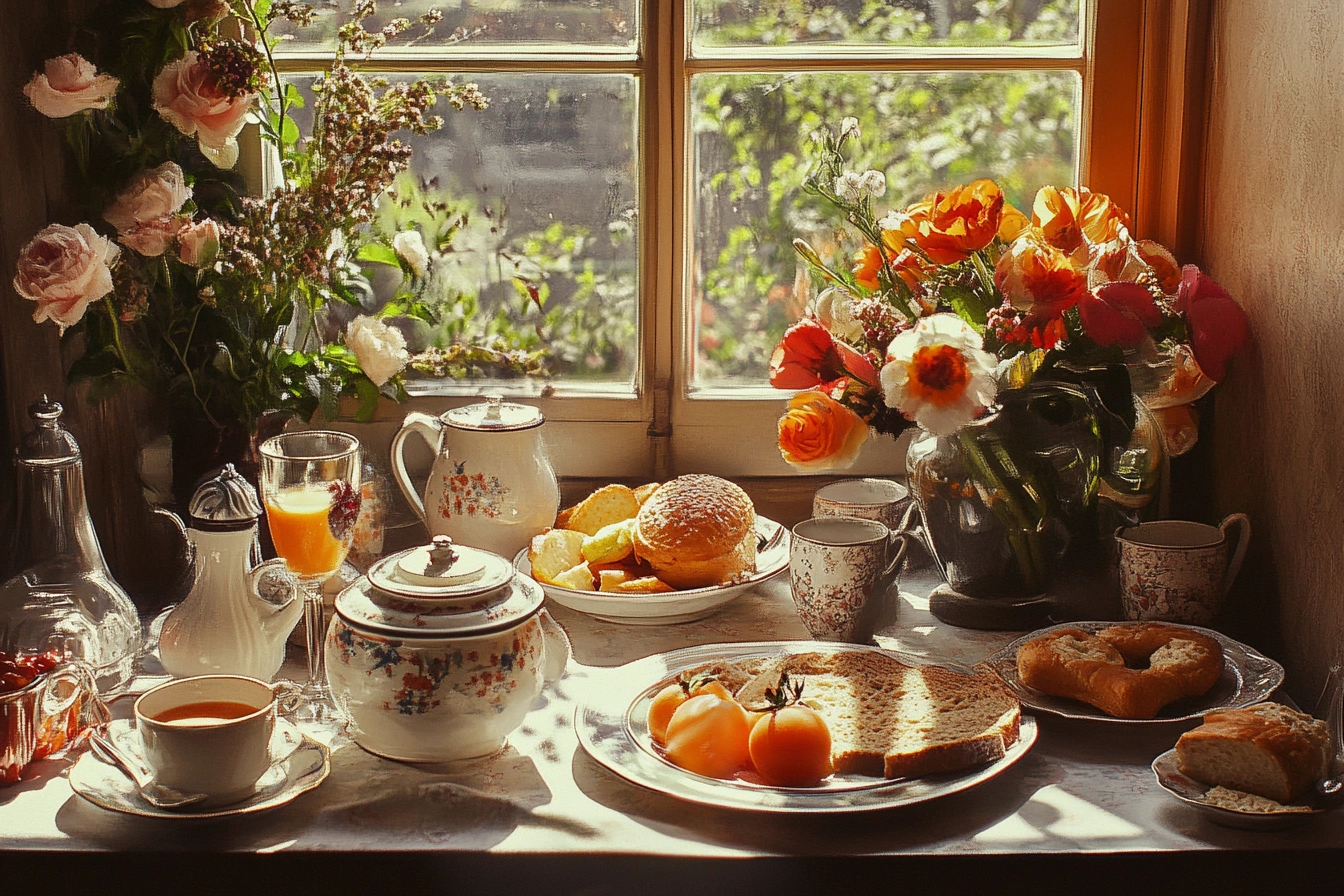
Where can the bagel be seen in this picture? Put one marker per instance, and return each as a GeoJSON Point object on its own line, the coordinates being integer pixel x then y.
{"type": "Point", "coordinates": [1126, 671]}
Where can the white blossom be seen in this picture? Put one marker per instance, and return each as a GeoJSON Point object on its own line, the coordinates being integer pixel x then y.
{"type": "Point", "coordinates": [380, 349]}
{"type": "Point", "coordinates": [410, 246]}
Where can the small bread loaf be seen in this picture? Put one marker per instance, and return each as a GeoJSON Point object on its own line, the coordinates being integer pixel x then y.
{"type": "Point", "coordinates": [1127, 671]}
{"type": "Point", "coordinates": [889, 719]}
{"type": "Point", "coordinates": [697, 530]}
{"type": "Point", "coordinates": [1266, 749]}
{"type": "Point", "coordinates": [609, 504]}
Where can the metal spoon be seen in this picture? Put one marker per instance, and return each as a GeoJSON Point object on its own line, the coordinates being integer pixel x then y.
{"type": "Point", "coordinates": [152, 792]}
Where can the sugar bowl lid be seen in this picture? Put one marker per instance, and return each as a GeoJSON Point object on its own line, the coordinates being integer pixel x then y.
{"type": "Point", "coordinates": [364, 606]}
{"type": "Point", "coordinates": [441, 572]}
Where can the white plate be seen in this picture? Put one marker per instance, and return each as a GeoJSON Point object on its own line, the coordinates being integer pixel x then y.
{"type": "Point", "coordinates": [1248, 677]}
{"type": "Point", "coordinates": [673, 606]}
{"type": "Point", "coordinates": [1194, 793]}
{"type": "Point", "coordinates": [303, 764]}
{"type": "Point", "coordinates": [611, 726]}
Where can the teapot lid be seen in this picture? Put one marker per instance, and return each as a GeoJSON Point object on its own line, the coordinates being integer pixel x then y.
{"type": "Point", "coordinates": [494, 415]}
{"type": "Point", "coordinates": [365, 607]}
{"type": "Point", "coordinates": [49, 442]}
{"type": "Point", "coordinates": [226, 502]}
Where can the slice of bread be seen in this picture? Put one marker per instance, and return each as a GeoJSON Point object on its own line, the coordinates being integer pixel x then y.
{"type": "Point", "coordinates": [609, 504]}
{"type": "Point", "coordinates": [553, 552]}
{"type": "Point", "coordinates": [888, 719]}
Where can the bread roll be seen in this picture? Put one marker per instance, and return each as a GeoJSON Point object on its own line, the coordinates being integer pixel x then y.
{"type": "Point", "coordinates": [697, 530]}
{"type": "Point", "coordinates": [1266, 749]}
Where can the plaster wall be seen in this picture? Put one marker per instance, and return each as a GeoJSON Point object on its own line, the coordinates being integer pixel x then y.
{"type": "Point", "coordinates": [1273, 234]}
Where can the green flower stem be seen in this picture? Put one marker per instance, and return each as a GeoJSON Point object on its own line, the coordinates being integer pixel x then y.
{"type": "Point", "coordinates": [275, 74]}
{"type": "Point", "coordinates": [1021, 524]}
{"type": "Point", "coordinates": [116, 332]}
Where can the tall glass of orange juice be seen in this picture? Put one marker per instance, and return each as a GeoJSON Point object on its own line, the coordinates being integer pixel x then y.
{"type": "Point", "coordinates": [310, 486]}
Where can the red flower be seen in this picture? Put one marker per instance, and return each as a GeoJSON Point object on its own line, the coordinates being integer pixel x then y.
{"type": "Point", "coordinates": [808, 356]}
{"type": "Point", "coordinates": [1118, 314]}
{"type": "Point", "coordinates": [1217, 323]}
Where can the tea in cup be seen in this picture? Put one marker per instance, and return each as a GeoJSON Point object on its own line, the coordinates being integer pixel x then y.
{"type": "Point", "coordinates": [1177, 570]}
{"type": "Point", "coordinates": [883, 500]}
{"type": "Point", "coordinates": [210, 734]}
{"type": "Point", "coordinates": [839, 570]}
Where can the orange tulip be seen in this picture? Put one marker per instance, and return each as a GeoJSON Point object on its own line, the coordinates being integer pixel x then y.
{"type": "Point", "coordinates": [960, 221]}
{"type": "Point", "coordinates": [809, 355]}
{"type": "Point", "coordinates": [1066, 217]}
{"type": "Point", "coordinates": [819, 433]}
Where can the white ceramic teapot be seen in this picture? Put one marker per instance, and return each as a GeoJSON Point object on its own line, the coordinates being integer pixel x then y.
{"type": "Point", "coordinates": [491, 486]}
{"type": "Point", "coordinates": [238, 613]}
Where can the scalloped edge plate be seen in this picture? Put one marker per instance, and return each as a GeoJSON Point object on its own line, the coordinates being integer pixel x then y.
{"type": "Point", "coordinates": [1248, 677]}
{"type": "Point", "coordinates": [1167, 770]}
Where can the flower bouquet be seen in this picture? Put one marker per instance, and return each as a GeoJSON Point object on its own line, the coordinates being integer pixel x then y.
{"type": "Point", "coordinates": [1016, 342]}
{"type": "Point", "coordinates": [229, 305]}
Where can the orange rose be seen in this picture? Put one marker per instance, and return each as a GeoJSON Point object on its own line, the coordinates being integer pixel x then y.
{"type": "Point", "coordinates": [960, 221]}
{"type": "Point", "coordinates": [1038, 278]}
{"type": "Point", "coordinates": [819, 433]}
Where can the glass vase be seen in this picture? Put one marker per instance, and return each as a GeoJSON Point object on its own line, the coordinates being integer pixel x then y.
{"type": "Point", "coordinates": [1011, 498]}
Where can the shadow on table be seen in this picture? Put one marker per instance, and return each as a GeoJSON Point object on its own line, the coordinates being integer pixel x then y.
{"type": "Point", "coordinates": [367, 803]}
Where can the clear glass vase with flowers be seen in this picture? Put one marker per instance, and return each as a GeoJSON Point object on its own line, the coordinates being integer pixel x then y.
{"type": "Point", "coordinates": [1034, 352]}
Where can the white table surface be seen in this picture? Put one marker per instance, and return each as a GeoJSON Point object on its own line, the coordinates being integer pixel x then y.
{"type": "Point", "coordinates": [544, 810]}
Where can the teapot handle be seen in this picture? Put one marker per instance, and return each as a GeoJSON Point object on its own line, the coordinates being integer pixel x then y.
{"type": "Point", "coordinates": [430, 429]}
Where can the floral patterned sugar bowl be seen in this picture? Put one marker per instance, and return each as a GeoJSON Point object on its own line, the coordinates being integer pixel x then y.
{"type": "Point", "coordinates": [439, 652]}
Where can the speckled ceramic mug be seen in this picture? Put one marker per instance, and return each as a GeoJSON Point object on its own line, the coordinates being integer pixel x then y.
{"type": "Point", "coordinates": [839, 569]}
{"type": "Point", "coordinates": [883, 500]}
{"type": "Point", "coordinates": [1179, 571]}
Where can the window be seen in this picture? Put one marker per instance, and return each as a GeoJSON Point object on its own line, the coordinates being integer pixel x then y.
{"type": "Point", "coordinates": [630, 197]}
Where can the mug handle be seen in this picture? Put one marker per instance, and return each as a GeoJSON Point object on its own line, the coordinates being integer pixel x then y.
{"type": "Point", "coordinates": [1243, 524]}
{"type": "Point", "coordinates": [430, 429]}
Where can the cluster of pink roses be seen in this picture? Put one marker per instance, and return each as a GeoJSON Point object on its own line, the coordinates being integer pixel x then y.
{"type": "Point", "coordinates": [64, 268]}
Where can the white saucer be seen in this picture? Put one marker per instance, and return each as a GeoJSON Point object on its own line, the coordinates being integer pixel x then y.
{"type": "Point", "coordinates": [301, 764]}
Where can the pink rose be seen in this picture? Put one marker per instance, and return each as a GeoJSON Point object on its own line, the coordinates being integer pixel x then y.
{"type": "Point", "coordinates": [1217, 324]}
{"type": "Point", "coordinates": [70, 84]}
{"type": "Point", "coordinates": [198, 243]}
{"type": "Point", "coordinates": [187, 97]}
{"type": "Point", "coordinates": [63, 269]}
{"type": "Point", "coordinates": [145, 211]}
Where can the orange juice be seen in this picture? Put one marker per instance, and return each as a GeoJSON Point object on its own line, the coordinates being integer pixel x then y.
{"type": "Point", "coordinates": [302, 533]}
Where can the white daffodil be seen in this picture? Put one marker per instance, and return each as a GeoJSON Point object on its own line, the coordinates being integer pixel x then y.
{"type": "Point", "coordinates": [938, 374]}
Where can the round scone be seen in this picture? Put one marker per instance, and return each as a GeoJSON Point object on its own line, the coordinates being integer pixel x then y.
{"type": "Point", "coordinates": [697, 530]}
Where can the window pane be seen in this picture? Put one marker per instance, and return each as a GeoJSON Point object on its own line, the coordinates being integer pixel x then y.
{"type": "Point", "coordinates": [718, 24]}
{"type": "Point", "coordinates": [476, 26]}
{"type": "Point", "coordinates": [529, 210]}
{"type": "Point", "coordinates": [924, 131]}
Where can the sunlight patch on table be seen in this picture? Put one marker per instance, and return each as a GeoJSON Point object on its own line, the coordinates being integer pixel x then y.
{"type": "Point", "coordinates": [1054, 812]}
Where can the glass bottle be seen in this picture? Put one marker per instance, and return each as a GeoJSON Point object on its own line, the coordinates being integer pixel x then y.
{"type": "Point", "coordinates": [65, 598]}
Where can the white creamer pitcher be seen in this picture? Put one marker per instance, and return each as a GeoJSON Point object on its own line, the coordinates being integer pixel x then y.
{"type": "Point", "coordinates": [491, 485]}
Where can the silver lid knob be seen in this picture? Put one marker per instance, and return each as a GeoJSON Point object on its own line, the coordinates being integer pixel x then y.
{"type": "Point", "coordinates": [48, 442]}
{"type": "Point", "coordinates": [228, 500]}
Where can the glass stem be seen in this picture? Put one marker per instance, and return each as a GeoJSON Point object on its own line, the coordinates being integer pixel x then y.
{"type": "Point", "coordinates": [314, 621]}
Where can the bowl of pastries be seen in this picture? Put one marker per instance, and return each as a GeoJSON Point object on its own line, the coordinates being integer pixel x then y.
{"type": "Point", "coordinates": [656, 553]}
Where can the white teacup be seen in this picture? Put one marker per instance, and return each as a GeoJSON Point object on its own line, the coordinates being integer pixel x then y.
{"type": "Point", "coordinates": [883, 500]}
{"type": "Point", "coordinates": [209, 734]}
{"type": "Point", "coordinates": [1180, 571]}
{"type": "Point", "coordinates": [839, 569]}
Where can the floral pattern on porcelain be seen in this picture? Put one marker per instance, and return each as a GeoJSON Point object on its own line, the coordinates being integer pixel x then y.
{"type": "Point", "coordinates": [421, 674]}
{"type": "Point", "coordinates": [832, 584]}
{"type": "Point", "coordinates": [472, 494]}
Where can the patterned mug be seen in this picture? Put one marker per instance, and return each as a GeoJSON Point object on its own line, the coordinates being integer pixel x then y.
{"type": "Point", "coordinates": [839, 570]}
{"type": "Point", "coordinates": [883, 500]}
{"type": "Point", "coordinates": [1179, 571]}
